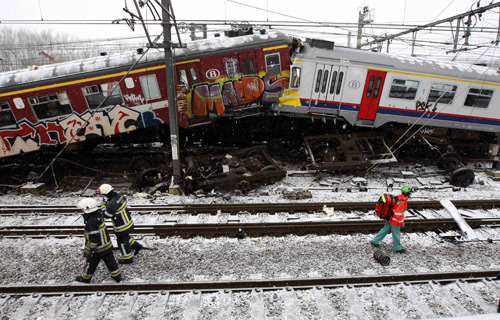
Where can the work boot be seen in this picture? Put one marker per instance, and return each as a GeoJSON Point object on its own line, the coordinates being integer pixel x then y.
{"type": "Point", "coordinates": [138, 248]}
{"type": "Point", "coordinates": [118, 278]}
{"type": "Point", "coordinates": [376, 245]}
{"type": "Point", "coordinates": [401, 251]}
{"type": "Point", "coordinates": [125, 261]}
{"type": "Point", "coordinates": [81, 279]}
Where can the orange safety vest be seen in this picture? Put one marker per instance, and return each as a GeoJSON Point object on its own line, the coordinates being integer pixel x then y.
{"type": "Point", "coordinates": [398, 219]}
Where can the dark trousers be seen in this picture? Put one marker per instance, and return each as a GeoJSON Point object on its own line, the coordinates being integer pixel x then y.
{"type": "Point", "coordinates": [109, 260]}
{"type": "Point", "coordinates": [123, 239]}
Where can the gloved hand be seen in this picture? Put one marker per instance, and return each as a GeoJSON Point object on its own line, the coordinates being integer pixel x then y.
{"type": "Point", "coordinates": [404, 224]}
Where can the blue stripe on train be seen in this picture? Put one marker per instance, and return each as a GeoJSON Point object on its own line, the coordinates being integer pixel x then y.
{"type": "Point", "coordinates": [404, 113]}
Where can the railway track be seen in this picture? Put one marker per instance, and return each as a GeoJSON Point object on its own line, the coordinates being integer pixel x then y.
{"type": "Point", "coordinates": [229, 219]}
{"type": "Point", "coordinates": [388, 296]}
{"type": "Point", "coordinates": [250, 229]}
{"type": "Point", "coordinates": [249, 207]}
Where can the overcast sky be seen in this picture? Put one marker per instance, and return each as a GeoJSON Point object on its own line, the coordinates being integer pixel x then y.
{"type": "Point", "coordinates": [384, 11]}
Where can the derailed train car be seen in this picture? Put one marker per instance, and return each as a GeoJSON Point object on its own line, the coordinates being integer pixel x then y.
{"type": "Point", "coordinates": [373, 90]}
{"type": "Point", "coordinates": [220, 77]}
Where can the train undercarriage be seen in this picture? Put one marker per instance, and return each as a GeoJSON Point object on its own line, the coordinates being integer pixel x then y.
{"type": "Point", "coordinates": [231, 154]}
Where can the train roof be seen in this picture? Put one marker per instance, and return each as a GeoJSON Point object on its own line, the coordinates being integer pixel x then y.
{"type": "Point", "coordinates": [115, 62]}
{"type": "Point", "coordinates": [391, 62]}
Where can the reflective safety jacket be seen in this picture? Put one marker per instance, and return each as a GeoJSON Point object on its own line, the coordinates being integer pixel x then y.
{"type": "Point", "coordinates": [97, 239]}
{"type": "Point", "coordinates": [116, 209]}
{"type": "Point", "coordinates": [398, 219]}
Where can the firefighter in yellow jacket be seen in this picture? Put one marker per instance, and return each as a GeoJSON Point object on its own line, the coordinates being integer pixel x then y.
{"type": "Point", "coordinates": [98, 244]}
{"type": "Point", "coordinates": [396, 222]}
{"type": "Point", "coordinates": [116, 210]}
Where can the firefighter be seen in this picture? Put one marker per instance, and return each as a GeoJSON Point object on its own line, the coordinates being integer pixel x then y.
{"type": "Point", "coordinates": [396, 222]}
{"type": "Point", "coordinates": [98, 244]}
{"type": "Point", "coordinates": [116, 209]}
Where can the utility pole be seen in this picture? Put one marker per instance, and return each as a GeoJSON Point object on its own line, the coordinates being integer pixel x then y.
{"type": "Point", "coordinates": [363, 19]}
{"type": "Point", "coordinates": [467, 25]}
{"type": "Point", "coordinates": [172, 105]}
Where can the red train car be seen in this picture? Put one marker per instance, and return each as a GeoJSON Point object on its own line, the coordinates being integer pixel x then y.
{"type": "Point", "coordinates": [221, 77]}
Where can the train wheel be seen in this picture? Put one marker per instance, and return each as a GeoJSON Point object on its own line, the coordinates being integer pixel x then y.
{"type": "Point", "coordinates": [462, 177]}
{"type": "Point", "coordinates": [449, 161]}
{"type": "Point", "coordinates": [139, 165]}
{"type": "Point", "coordinates": [149, 178]}
{"type": "Point", "coordinates": [271, 179]}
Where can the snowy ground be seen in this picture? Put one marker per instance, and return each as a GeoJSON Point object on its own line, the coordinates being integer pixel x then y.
{"type": "Point", "coordinates": [430, 186]}
{"type": "Point", "coordinates": [49, 260]}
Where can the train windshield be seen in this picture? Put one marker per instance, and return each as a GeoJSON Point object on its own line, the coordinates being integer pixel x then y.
{"type": "Point", "coordinates": [295, 77]}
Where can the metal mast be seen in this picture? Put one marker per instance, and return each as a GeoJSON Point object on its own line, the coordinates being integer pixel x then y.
{"type": "Point", "coordinates": [172, 105]}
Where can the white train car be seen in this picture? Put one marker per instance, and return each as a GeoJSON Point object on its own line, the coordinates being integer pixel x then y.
{"type": "Point", "coordinates": [372, 89]}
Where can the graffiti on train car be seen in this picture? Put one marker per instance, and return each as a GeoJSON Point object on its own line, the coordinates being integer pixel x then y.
{"type": "Point", "coordinates": [27, 137]}
{"type": "Point", "coordinates": [425, 106]}
{"type": "Point", "coordinates": [233, 95]}
{"type": "Point", "coordinates": [134, 100]}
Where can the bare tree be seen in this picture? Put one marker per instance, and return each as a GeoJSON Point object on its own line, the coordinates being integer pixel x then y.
{"type": "Point", "coordinates": [22, 48]}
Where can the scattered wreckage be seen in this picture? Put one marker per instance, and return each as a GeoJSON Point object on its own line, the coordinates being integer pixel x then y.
{"type": "Point", "coordinates": [240, 170]}
{"type": "Point", "coordinates": [243, 170]}
{"type": "Point", "coordinates": [346, 152]}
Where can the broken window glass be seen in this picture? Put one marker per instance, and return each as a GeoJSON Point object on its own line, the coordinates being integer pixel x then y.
{"type": "Point", "coordinates": [51, 105]}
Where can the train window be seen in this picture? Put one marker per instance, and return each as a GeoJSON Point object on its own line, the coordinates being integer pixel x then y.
{"type": "Point", "coordinates": [232, 68]}
{"type": "Point", "coordinates": [19, 103]}
{"type": "Point", "coordinates": [318, 80]}
{"type": "Point", "coordinates": [97, 93]}
{"type": "Point", "coordinates": [183, 77]}
{"type": "Point", "coordinates": [6, 115]}
{"type": "Point", "coordinates": [478, 98]}
{"type": "Point", "coordinates": [339, 83]}
{"type": "Point", "coordinates": [403, 89]}
{"type": "Point", "coordinates": [129, 83]}
{"type": "Point", "coordinates": [377, 87]}
{"type": "Point", "coordinates": [370, 87]}
{"type": "Point", "coordinates": [50, 105]}
{"type": "Point", "coordinates": [150, 87]}
{"type": "Point", "coordinates": [273, 64]}
{"type": "Point", "coordinates": [251, 66]}
{"type": "Point", "coordinates": [194, 75]}
{"type": "Point", "coordinates": [442, 93]}
{"type": "Point", "coordinates": [325, 81]}
{"type": "Point", "coordinates": [295, 77]}
{"type": "Point", "coordinates": [334, 80]}
{"type": "Point", "coordinates": [244, 66]}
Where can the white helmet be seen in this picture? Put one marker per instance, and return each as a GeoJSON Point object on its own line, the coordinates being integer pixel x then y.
{"type": "Point", "coordinates": [105, 189]}
{"type": "Point", "coordinates": [88, 205]}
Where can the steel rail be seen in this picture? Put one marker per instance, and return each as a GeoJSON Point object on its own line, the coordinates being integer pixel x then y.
{"type": "Point", "coordinates": [251, 207]}
{"type": "Point", "coordinates": [272, 284]}
{"type": "Point", "coordinates": [252, 229]}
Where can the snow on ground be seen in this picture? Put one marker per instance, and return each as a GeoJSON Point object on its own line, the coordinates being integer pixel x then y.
{"type": "Point", "coordinates": [433, 187]}
{"type": "Point", "coordinates": [51, 260]}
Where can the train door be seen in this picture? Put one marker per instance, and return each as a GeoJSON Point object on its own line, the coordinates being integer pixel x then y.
{"type": "Point", "coordinates": [371, 95]}
{"type": "Point", "coordinates": [247, 61]}
{"type": "Point", "coordinates": [336, 85]}
{"type": "Point", "coordinates": [188, 73]}
{"type": "Point", "coordinates": [327, 86]}
{"type": "Point", "coordinates": [318, 91]}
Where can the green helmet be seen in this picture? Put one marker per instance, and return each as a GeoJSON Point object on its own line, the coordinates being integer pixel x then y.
{"type": "Point", "coordinates": [406, 189]}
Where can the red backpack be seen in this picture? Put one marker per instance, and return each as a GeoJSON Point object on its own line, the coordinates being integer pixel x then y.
{"type": "Point", "coordinates": [385, 206]}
